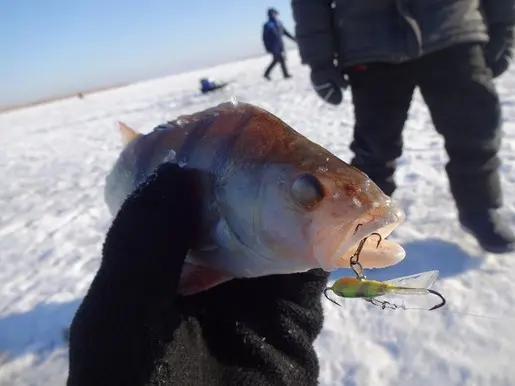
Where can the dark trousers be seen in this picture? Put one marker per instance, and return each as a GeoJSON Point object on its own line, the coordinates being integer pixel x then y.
{"type": "Point", "coordinates": [277, 58]}
{"type": "Point", "coordinates": [458, 89]}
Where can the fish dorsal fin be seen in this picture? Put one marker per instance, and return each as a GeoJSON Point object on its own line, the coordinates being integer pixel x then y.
{"type": "Point", "coordinates": [128, 134]}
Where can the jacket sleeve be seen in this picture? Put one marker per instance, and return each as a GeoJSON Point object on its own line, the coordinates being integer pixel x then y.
{"type": "Point", "coordinates": [499, 11]}
{"type": "Point", "coordinates": [314, 31]}
{"type": "Point", "coordinates": [267, 38]}
{"type": "Point", "coordinates": [289, 35]}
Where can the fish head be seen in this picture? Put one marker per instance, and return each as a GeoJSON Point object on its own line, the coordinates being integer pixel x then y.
{"type": "Point", "coordinates": [304, 205]}
{"type": "Point", "coordinates": [343, 206]}
{"type": "Point", "coordinates": [321, 214]}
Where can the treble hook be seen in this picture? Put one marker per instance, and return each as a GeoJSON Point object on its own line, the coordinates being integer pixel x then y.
{"type": "Point", "coordinates": [362, 242]}
{"type": "Point", "coordinates": [354, 260]}
{"type": "Point", "coordinates": [379, 236]}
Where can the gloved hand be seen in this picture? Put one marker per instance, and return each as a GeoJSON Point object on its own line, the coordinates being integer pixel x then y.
{"type": "Point", "coordinates": [328, 82]}
{"type": "Point", "coordinates": [133, 329]}
{"type": "Point", "coordinates": [499, 50]}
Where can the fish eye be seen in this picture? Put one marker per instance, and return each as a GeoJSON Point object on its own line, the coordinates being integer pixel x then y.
{"type": "Point", "coordinates": [307, 190]}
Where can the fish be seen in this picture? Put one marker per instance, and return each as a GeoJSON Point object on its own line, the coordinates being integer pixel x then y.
{"type": "Point", "coordinates": [273, 201]}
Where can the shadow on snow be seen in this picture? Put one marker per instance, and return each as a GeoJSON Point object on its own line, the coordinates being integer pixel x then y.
{"type": "Point", "coordinates": [37, 331]}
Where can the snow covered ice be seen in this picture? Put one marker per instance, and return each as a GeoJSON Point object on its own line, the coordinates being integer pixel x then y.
{"type": "Point", "coordinates": [53, 221]}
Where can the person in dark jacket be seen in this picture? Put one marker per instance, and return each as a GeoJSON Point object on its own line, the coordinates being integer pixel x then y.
{"type": "Point", "coordinates": [451, 50]}
{"type": "Point", "coordinates": [208, 85]}
{"type": "Point", "coordinates": [133, 329]}
{"type": "Point", "coordinates": [273, 31]}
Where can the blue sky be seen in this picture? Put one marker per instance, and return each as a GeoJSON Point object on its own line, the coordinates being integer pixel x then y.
{"type": "Point", "coordinates": [54, 47]}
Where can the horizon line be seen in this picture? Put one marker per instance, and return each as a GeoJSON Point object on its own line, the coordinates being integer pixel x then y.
{"type": "Point", "coordinates": [112, 86]}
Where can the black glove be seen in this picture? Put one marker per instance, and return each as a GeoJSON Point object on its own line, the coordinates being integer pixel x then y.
{"type": "Point", "coordinates": [328, 82]}
{"type": "Point", "coordinates": [499, 50]}
{"type": "Point", "coordinates": [132, 328]}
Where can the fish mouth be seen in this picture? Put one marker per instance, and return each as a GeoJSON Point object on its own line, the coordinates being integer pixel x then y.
{"type": "Point", "coordinates": [377, 251]}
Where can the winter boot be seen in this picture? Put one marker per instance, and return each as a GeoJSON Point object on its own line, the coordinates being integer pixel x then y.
{"type": "Point", "coordinates": [492, 232]}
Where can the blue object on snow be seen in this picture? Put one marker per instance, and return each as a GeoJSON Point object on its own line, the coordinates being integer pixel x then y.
{"type": "Point", "coordinates": [207, 85]}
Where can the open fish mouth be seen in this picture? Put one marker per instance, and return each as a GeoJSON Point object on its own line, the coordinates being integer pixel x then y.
{"type": "Point", "coordinates": [377, 251]}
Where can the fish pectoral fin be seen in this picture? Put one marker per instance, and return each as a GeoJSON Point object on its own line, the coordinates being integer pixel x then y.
{"type": "Point", "coordinates": [128, 133]}
{"type": "Point", "coordinates": [196, 278]}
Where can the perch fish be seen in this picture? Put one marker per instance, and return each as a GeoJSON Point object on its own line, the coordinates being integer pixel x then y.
{"type": "Point", "coordinates": [274, 202]}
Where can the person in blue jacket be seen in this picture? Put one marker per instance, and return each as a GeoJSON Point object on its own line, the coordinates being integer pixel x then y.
{"type": "Point", "coordinates": [273, 31]}
{"type": "Point", "coordinates": [208, 85]}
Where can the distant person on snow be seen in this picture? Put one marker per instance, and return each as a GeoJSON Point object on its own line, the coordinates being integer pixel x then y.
{"type": "Point", "coordinates": [208, 85]}
{"type": "Point", "coordinates": [273, 31]}
{"type": "Point", "coordinates": [451, 50]}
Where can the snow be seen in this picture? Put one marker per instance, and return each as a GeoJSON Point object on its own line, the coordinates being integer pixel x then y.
{"type": "Point", "coordinates": [53, 220]}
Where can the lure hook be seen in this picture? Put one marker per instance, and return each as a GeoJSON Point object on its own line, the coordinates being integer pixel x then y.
{"type": "Point", "coordinates": [328, 298]}
{"type": "Point", "coordinates": [354, 260]}
{"type": "Point", "coordinates": [362, 244]}
{"type": "Point", "coordinates": [385, 304]}
{"type": "Point", "coordinates": [372, 234]}
{"type": "Point", "coordinates": [378, 236]}
{"type": "Point", "coordinates": [442, 302]}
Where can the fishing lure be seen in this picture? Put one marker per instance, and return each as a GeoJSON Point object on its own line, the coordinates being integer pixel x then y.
{"type": "Point", "coordinates": [371, 290]}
